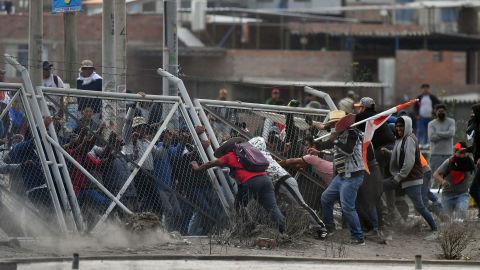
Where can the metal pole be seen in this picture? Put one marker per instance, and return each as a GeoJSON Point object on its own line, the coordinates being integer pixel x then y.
{"type": "Point", "coordinates": [35, 120]}
{"type": "Point", "coordinates": [9, 104]}
{"type": "Point", "coordinates": [213, 139]}
{"type": "Point", "coordinates": [35, 40]}
{"type": "Point", "coordinates": [70, 48]}
{"type": "Point", "coordinates": [203, 156]}
{"type": "Point", "coordinates": [262, 107]}
{"type": "Point", "coordinates": [418, 262]}
{"type": "Point", "coordinates": [323, 95]}
{"type": "Point", "coordinates": [66, 174]}
{"type": "Point", "coordinates": [196, 122]}
{"type": "Point", "coordinates": [137, 169]}
{"type": "Point", "coordinates": [87, 174]}
{"type": "Point", "coordinates": [170, 45]}
{"type": "Point", "coordinates": [46, 169]}
{"type": "Point", "coordinates": [105, 95]}
{"type": "Point", "coordinates": [108, 57]}
{"type": "Point", "coordinates": [120, 57]}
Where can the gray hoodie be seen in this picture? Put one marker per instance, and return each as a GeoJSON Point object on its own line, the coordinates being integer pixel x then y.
{"type": "Point", "coordinates": [409, 172]}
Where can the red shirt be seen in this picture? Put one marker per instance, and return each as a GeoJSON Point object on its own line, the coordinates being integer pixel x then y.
{"type": "Point", "coordinates": [240, 174]}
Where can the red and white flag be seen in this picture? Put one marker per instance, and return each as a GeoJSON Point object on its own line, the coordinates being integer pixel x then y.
{"type": "Point", "coordinates": [374, 122]}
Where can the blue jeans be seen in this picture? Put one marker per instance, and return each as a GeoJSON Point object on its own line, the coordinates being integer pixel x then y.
{"type": "Point", "coordinates": [456, 206]}
{"type": "Point", "coordinates": [427, 195]}
{"type": "Point", "coordinates": [415, 195]}
{"type": "Point", "coordinates": [345, 190]}
{"type": "Point", "coordinates": [422, 130]}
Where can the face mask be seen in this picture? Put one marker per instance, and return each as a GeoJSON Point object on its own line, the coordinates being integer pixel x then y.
{"type": "Point", "coordinates": [441, 116]}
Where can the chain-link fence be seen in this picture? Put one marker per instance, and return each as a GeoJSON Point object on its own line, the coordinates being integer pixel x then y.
{"type": "Point", "coordinates": [288, 132]}
{"type": "Point", "coordinates": [29, 200]}
{"type": "Point", "coordinates": [141, 156]}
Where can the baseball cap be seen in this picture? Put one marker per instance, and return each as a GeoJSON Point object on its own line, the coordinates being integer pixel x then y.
{"type": "Point", "coordinates": [275, 91]}
{"type": "Point", "coordinates": [47, 65]}
{"type": "Point", "coordinates": [366, 102]}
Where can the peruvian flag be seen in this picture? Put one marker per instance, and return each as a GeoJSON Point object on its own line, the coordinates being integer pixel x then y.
{"type": "Point", "coordinates": [374, 122]}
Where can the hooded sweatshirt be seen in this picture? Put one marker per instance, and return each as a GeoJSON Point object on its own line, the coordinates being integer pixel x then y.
{"type": "Point", "coordinates": [275, 171]}
{"type": "Point", "coordinates": [405, 164]}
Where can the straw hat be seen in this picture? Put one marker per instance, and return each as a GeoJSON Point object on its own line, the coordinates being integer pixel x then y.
{"type": "Point", "coordinates": [138, 121]}
{"type": "Point", "coordinates": [334, 116]}
{"type": "Point", "coordinates": [86, 64]}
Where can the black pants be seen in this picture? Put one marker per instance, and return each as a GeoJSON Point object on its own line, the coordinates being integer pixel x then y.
{"type": "Point", "coordinates": [147, 195]}
{"type": "Point", "coordinates": [475, 189]}
{"type": "Point", "coordinates": [260, 188]}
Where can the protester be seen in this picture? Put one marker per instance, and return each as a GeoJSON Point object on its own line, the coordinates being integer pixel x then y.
{"type": "Point", "coordinates": [473, 131]}
{"type": "Point", "coordinates": [222, 94]}
{"type": "Point", "coordinates": [346, 104]}
{"type": "Point", "coordinates": [454, 176]}
{"type": "Point", "coordinates": [406, 170]}
{"type": "Point", "coordinates": [50, 79]}
{"type": "Point", "coordinates": [275, 98]}
{"type": "Point", "coordinates": [88, 79]}
{"type": "Point", "coordinates": [287, 185]}
{"type": "Point", "coordinates": [256, 185]}
{"type": "Point", "coordinates": [349, 171]}
{"type": "Point", "coordinates": [165, 152]}
{"type": "Point", "coordinates": [440, 135]}
{"type": "Point", "coordinates": [424, 111]}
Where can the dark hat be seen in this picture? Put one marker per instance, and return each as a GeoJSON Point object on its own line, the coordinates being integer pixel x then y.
{"type": "Point", "coordinates": [46, 65]}
{"type": "Point", "coordinates": [2, 71]}
{"type": "Point", "coordinates": [227, 145]}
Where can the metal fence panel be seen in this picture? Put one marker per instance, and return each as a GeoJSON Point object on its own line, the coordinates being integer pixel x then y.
{"type": "Point", "coordinates": [145, 164]}
{"type": "Point", "coordinates": [288, 131]}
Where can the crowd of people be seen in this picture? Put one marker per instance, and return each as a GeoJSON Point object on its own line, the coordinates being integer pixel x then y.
{"type": "Point", "coordinates": [164, 184]}
{"type": "Point", "coordinates": [172, 182]}
{"type": "Point", "coordinates": [397, 166]}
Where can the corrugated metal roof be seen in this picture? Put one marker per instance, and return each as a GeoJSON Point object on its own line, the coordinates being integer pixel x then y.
{"type": "Point", "coordinates": [358, 29]}
{"type": "Point", "coordinates": [462, 98]}
{"type": "Point", "coordinates": [312, 82]}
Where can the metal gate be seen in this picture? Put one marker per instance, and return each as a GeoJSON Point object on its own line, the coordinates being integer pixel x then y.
{"type": "Point", "coordinates": [287, 131]}
{"type": "Point", "coordinates": [95, 172]}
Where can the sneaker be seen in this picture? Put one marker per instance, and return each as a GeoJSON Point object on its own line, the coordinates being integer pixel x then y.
{"type": "Point", "coordinates": [322, 234]}
{"type": "Point", "coordinates": [357, 242]}
{"type": "Point", "coordinates": [372, 233]}
{"type": "Point", "coordinates": [432, 237]}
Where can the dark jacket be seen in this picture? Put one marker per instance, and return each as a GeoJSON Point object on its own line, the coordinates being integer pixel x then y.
{"type": "Point", "coordinates": [434, 99]}
{"type": "Point", "coordinates": [474, 126]}
{"type": "Point", "coordinates": [383, 135]}
{"type": "Point", "coordinates": [94, 103]}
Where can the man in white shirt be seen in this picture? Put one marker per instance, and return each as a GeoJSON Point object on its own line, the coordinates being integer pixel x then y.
{"type": "Point", "coordinates": [51, 80]}
{"type": "Point", "coordinates": [424, 111]}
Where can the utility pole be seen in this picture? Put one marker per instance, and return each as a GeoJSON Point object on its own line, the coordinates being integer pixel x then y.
{"type": "Point", "coordinates": [108, 57]}
{"type": "Point", "coordinates": [70, 48]}
{"type": "Point", "coordinates": [120, 56]}
{"type": "Point", "coordinates": [35, 40]}
{"type": "Point", "coordinates": [170, 45]}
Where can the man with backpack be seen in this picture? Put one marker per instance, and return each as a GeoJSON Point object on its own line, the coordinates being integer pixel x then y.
{"type": "Point", "coordinates": [248, 166]}
{"type": "Point", "coordinates": [454, 176]}
{"type": "Point", "coordinates": [406, 169]}
{"type": "Point", "coordinates": [51, 80]}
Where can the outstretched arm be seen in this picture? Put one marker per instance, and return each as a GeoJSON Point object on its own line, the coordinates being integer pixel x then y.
{"type": "Point", "coordinates": [205, 166]}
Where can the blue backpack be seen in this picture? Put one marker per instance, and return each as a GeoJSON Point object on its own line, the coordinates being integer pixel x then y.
{"type": "Point", "coordinates": [250, 157]}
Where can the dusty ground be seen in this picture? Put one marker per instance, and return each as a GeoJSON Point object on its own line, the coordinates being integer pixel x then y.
{"type": "Point", "coordinates": [405, 244]}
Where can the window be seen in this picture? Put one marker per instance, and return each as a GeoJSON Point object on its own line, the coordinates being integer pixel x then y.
{"type": "Point", "coordinates": [449, 15]}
